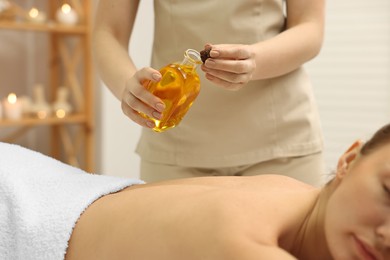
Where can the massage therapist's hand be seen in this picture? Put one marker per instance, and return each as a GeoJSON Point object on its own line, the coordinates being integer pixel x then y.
{"type": "Point", "coordinates": [136, 98]}
{"type": "Point", "coordinates": [230, 66]}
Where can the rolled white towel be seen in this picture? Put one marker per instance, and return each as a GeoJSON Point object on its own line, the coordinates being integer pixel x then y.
{"type": "Point", "coordinates": [41, 200]}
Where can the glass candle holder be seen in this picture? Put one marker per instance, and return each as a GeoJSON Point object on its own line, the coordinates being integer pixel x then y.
{"type": "Point", "coordinates": [36, 16]}
{"type": "Point", "coordinates": [67, 15]}
{"type": "Point", "coordinates": [12, 107]}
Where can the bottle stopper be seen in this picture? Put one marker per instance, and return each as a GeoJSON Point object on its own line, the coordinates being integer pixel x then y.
{"type": "Point", "coordinates": [205, 54]}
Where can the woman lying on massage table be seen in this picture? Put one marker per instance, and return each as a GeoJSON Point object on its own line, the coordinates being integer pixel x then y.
{"type": "Point", "coordinates": [259, 217]}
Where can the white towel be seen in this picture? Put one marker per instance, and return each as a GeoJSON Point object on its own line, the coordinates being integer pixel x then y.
{"type": "Point", "coordinates": [41, 200]}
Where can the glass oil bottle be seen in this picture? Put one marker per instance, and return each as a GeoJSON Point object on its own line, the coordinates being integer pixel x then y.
{"type": "Point", "coordinates": [178, 88]}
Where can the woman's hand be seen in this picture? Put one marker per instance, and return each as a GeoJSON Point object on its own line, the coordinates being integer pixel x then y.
{"type": "Point", "coordinates": [230, 66]}
{"type": "Point", "coordinates": [137, 99]}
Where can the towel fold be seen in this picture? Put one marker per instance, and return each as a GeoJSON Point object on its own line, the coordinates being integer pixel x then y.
{"type": "Point", "coordinates": [41, 200]}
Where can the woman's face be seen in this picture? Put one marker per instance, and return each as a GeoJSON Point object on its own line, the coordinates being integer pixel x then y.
{"type": "Point", "coordinates": [357, 222]}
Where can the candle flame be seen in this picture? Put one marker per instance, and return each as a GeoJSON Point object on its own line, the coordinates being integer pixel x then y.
{"type": "Point", "coordinates": [12, 98]}
{"type": "Point", "coordinates": [33, 12]}
{"type": "Point", "coordinates": [66, 8]}
{"type": "Point", "coordinates": [60, 113]}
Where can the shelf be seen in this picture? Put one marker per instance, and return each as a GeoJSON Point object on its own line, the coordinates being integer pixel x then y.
{"type": "Point", "coordinates": [43, 27]}
{"type": "Point", "coordinates": [70, 139]}
{"type": "Point", "coordinates": [71, 119]}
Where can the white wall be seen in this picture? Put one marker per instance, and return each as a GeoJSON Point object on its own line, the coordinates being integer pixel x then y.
{"type": "Point", "coordinates": [351, 80]}
{"type": "Point", "coordinates": [351, 76]}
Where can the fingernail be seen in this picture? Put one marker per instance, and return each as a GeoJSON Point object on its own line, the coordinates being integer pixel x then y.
{"type": "Point", "coordinates": [156, 115]}
{"type": "Point", "coordinates": [150, 124]}
{"type": "Point", "coordinates": [156, 76]}
{"type": "Point", "coordinates": [160, 107]}
{"type": "Point", "coordinates": [214, 53]}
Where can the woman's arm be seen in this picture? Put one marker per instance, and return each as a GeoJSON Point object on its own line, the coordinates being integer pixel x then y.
{"type": "Point", "coordinates": [235, 65]}
{"type": "Point", "coordinates": [113, 26]}
{"type": "Point", "coordinates": [300, 42]}
{"type": "Point", "coordinates": [112, 32]}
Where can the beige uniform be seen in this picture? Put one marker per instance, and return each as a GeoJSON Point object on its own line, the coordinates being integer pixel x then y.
{"type": "Point", "coordinates": [266, 119]}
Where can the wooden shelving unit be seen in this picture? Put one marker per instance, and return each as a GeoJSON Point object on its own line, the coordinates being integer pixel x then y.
{"type": "Point", "coordinates": [47, 27]}
{"type": "Point", "coordinates": [72, 137]}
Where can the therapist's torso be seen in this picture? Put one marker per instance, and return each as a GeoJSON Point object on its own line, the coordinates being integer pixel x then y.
{"type": "Point", "coordinates": [264, 120]}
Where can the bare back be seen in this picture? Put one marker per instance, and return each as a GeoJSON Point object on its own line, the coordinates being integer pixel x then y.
{"type": "Point", "coordinates": [200, 218]}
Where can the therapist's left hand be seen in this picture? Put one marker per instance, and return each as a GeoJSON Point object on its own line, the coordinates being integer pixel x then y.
{"type": "Point", "coordinates": [230, 66]}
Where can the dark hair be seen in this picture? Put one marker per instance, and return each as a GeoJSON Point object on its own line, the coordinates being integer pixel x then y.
{"type": "Point", "coordinates": [380, 138]}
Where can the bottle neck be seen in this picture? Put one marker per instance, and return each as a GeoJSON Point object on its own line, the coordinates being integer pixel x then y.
{"type": "Point", "coordinates": [191, 59]}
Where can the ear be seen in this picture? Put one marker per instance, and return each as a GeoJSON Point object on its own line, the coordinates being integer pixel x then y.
{"type": "Point", "coordinates": [346, 160]}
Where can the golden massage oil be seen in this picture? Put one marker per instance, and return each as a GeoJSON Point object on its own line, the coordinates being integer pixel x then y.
{"type": "Point", "coordinates": [178, 88]}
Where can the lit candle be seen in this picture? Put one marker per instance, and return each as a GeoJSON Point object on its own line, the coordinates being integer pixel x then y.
{"type": "Point", "coordinates": [12, 107]}
{"type": "Point", "coordinates": [36, 16]}
{"type": "Point", "coordinates": [60, 113]}
{"type": "Point", "coordinates": [61, 106]}
{"type": "Point", "coordinates": [66, 15]}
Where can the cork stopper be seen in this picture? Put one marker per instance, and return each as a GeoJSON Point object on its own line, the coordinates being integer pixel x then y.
{"type": "Point", "coordinates": [205, 54]}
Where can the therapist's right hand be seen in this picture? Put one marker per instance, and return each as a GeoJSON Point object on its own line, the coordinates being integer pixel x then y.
{"type": "Point", "coordinates": [137, 99]}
